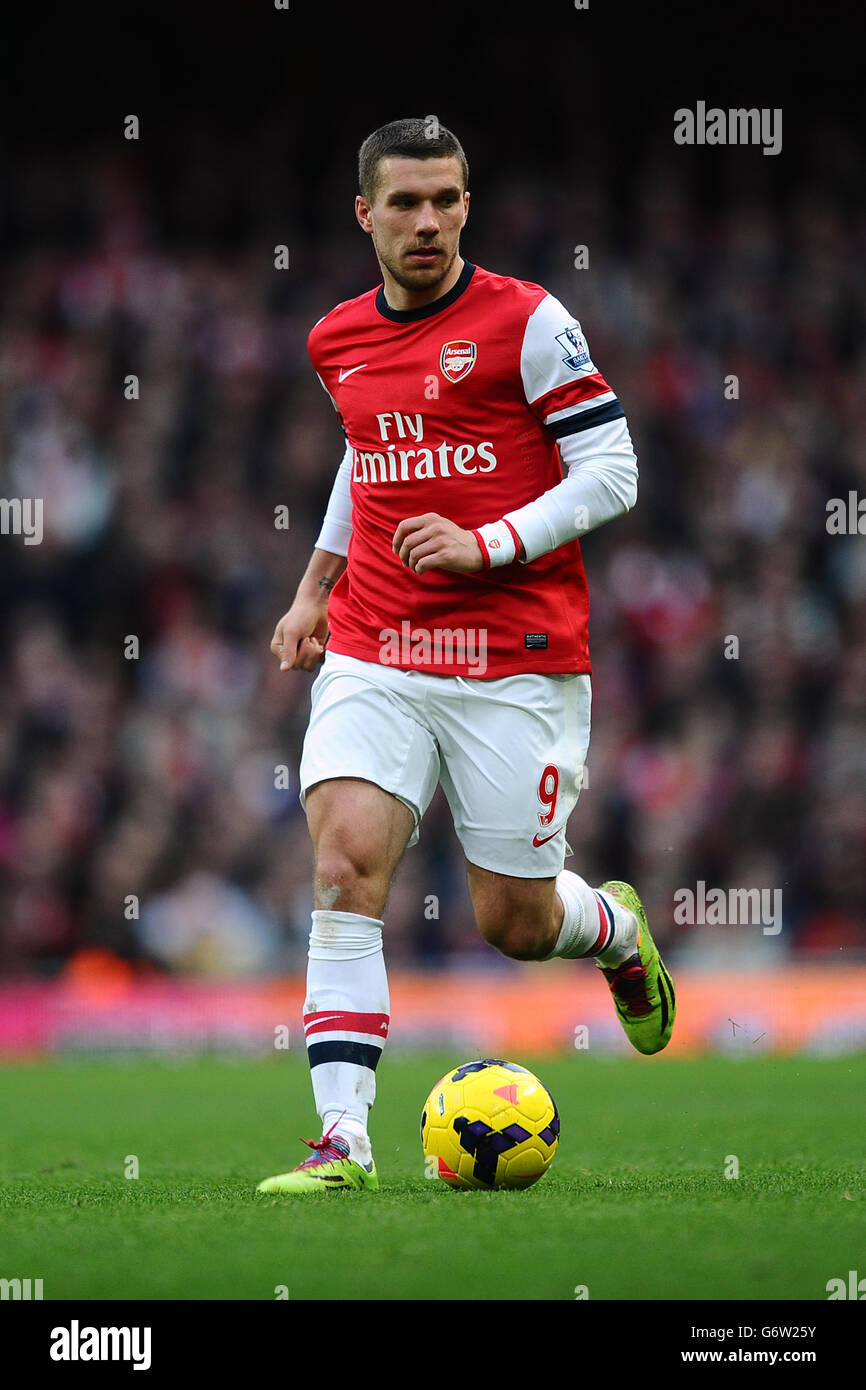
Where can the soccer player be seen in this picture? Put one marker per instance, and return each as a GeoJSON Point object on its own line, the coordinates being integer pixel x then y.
{"type": "Point", "coordinates": [448, 587]}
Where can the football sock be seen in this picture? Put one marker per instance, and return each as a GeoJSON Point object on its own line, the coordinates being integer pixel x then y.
{"type": "Point", "coordinates": [593, 924]}
{"type": "Point", "coordinates": [621, 941]}
{"type": "Point", "coordinates": [346, 1020]}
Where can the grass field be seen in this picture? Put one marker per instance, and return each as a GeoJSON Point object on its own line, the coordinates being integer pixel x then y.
{"type": "Point", "coordinates": [636, 1204]}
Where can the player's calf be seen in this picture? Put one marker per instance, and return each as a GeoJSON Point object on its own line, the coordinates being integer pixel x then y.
{"type": "Point", "coordinates": [540, 919]}
{"type": "Point", "coordinates": [519, 941]}
{"type": "Point", "coordinates": [519, 917]}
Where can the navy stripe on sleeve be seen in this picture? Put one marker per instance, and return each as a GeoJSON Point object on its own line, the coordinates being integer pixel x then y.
{"type": "Point", "coordinates": [587, 419]}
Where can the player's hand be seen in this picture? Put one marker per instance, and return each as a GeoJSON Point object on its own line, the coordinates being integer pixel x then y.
{"type": "Point", "coordinates": [432, 542]}
{"type": "Point", "coordinates": [301, 636]}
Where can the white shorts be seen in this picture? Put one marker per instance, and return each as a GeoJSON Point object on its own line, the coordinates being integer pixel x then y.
{"type": "Point", "coordinates": [509, 752]}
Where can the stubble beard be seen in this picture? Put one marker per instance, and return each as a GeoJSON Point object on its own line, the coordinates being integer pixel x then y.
{"type": "Point", "coordinates": [417, 280]}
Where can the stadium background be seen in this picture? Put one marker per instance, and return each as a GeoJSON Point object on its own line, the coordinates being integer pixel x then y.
{"type": "Point", "coordinates": [155, 777]}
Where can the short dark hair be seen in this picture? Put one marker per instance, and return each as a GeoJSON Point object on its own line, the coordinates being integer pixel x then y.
{"type": "Point", "coordinates": [416, 137]}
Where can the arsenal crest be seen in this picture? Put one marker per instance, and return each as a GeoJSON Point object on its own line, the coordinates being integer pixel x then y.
{"type": "Point", "coordinates": [457, 360]}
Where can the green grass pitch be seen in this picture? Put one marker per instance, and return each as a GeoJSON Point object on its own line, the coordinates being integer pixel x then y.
{"type": "Point", "coordinates": [635, 1206]}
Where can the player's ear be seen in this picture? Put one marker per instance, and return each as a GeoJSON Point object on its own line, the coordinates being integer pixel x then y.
{"type": "Point", "coordinates": [362, 212]}
{"type": "Point", "coordinates": [465, 207]}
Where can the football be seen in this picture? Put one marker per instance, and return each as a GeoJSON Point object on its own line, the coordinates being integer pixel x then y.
{"type": "Point", "coordinates": [489, 1124]}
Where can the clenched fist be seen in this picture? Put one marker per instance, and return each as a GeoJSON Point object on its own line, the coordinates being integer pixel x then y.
{"type": "Point", "coordinates": [301, 636]}
{"type": "Point", "coordinates": [431, 542]}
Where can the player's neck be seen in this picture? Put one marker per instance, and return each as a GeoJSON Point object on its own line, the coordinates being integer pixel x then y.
{"type": "Point", "coordinates": [399, 298]}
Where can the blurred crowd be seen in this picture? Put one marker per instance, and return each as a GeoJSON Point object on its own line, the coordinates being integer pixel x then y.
{"type": "Point", "coordinates": [155, 392]}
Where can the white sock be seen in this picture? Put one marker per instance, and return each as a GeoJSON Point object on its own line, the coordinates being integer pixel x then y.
{"type": "Point", "coordinates": [346, 1021]}
{"type": "Point", "coordinates": [622, 939]}
{"type": "Point", "coordinates": [593, 924]}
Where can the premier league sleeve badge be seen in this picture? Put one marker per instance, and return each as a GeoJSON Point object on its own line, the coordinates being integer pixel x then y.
{"type": "Point", "coordinates": [575, 346]}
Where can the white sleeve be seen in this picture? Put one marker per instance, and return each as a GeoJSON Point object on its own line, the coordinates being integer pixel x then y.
{"type": "Point", "coordinates": [567, 393]}
{"type": "Point", "coordinates": [601, 484]}
{"type": "Point", "coordinates": [337, 525]}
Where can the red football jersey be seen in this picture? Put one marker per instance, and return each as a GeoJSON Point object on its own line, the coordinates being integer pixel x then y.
{"type": "Point", "coordinates": [455, 408]}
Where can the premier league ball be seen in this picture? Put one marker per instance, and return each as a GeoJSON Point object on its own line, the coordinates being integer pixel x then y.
{"type": "Point", "coordinates": [490, 1124]}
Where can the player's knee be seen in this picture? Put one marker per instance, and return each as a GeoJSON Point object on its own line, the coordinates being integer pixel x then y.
{"type": "Point", "coordinates": [349, 877]}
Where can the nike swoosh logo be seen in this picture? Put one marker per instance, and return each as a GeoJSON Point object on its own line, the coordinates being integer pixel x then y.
{"type": "Point", "coordinates": [538, 842]}
{"type": "Point", "coordinates": [343, 374]}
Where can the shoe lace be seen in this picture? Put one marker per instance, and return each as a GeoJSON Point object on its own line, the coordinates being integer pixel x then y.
{"type": "Point", "coordinates": [326, 1150]}
{"type": "Point", "coordinates": [629, 984]}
